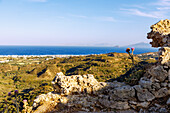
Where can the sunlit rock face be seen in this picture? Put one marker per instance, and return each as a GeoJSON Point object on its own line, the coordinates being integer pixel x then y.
{"type": "Point", "coordinates": [164, 55]}
{"type": "Point", "coordinates": [84, 93]}
{"type": "Point", "coordinates": [77, 84]}
{"type": "Point", "coordinates": [160, 34]}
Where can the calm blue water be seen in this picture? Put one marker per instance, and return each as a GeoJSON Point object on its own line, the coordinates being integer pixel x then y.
{"type": "Point", "coordinates": [64, 50]}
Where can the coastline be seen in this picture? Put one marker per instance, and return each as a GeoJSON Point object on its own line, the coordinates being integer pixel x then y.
{"type": "Point", "coordinates": [60, 56]}
{"type": "Point", "coordinates": [53, 56]}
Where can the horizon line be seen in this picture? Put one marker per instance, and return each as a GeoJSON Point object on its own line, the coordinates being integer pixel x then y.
{"type": "Point", "coordinates": [78, 45]}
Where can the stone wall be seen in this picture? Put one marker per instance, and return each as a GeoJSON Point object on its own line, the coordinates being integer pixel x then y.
{"type": "Point", "coordinates": [85, 93]}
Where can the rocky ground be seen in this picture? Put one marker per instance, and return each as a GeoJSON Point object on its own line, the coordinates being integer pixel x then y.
{"type": "Point", "coordinates": [85, 93]}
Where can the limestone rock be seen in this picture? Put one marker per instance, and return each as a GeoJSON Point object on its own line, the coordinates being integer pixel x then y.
{"type": "Point", "coordinates": [105, 102]}
{"type": "Point", "coordinates": [46, 107]}
{"type": "Point", "coordinates": [153, 109]}
{"type": "Point", "coordinates": [160, 34]}
{"type": "Point", "coordinates": [120, 105]}
{"type": "Point", "coordinates": [124, 92]}
{"type": "Point", "coordinates": [143, 104]}
{"type": "Point", "coordinates": [144, 94]}
{"type": "Point", "coordinates": [163, 110]}
{"type": "Point", "coordinates": [66, 85]}
{"type": "Point", "coordinates": [143, 110]}
{"type": "Point", "coordinates": [47, 100]}
{"type": "Point", "coordinates": [145, 83]}
{"type": "Point", "coordinates": [140, 104]}
{"type": "Point", "coordinates": [169, 85]}
{"type": "Point", "coordinates": [169, 75]}
{"type": "Point", "coordinates": [159, 73]}
{"type": "Point", "coordinates": [162, 92]}
{"type": "Point", "coordinates": [156, 86]}
{"type": "Point", "coordinates": [164, 55]}
{"type": "Point", "coordinates": [157, 110]}
{"type": "Point", "coordinates": [164, 84]}
{"type": "Point", "coordinates": [168, 102]}
{"type": "Point", "coordinates": [116, 84]}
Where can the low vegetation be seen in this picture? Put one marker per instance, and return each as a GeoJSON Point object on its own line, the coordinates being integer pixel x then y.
{"type": "Point", "coordinates": [32, 76]}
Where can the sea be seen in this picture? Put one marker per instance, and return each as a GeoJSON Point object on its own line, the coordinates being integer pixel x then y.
{"type": "Point", "coordinates": [66, 50]}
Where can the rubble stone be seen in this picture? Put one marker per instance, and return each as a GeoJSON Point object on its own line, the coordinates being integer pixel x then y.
{"type": "Point", "coordinates": [164, 55]}
{"type": "Point", "coordinates": [159, 73]}
{"type": "Point", "coordinates": [124, 92]}
{"type": "Point", "coordinates": [168, 102]}
{"type": "Point", "coordinates": [145, 83]}
{"type": "Point", "coordinates": [162, 93]}
{"type": "Point", "coordinates": [144, 94]}
{"type": "Point", "coordinates": [143, 104]}
{"type": "Point", "coordinates": [120, 105]}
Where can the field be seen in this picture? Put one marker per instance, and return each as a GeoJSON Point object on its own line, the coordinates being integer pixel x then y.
{"type": "Point", "coordinates": [32, 76]}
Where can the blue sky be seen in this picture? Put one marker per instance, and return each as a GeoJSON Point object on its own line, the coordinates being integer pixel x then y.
{"type": "Point", "coordinates": [79, 22]}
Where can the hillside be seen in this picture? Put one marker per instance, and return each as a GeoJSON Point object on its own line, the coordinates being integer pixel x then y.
{"type": "Point", "coordinates": [33, 75]}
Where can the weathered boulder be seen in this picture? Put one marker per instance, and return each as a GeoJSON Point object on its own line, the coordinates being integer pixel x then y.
{"type": "Point", "coordinates": [143, 94]}
{"type": "Point", "coordinates": [120, 105]}
{"type": "Point", "coordinates": [114, 104]}
{"type": "Point", "coordinates": [164, 55]}
{"type": "Point", "coordinates": [76, 84]}
{"type": "Point", "coordinates": [145, 83]}
{"type": "Point", "coordinates": [158, 72]}
{"type": "Point", "coordinates": [123, 93]}
{"type": "Point", "coordinates": [143, 104]}
{"type": "Point", "coordinates": [162, 93]}
{"type": "Point", "coordinates": [156, 86]}
{"type": "Point", "coordinates": [139, 104]}
{"type": "Point", "coordinates": [46, 102]}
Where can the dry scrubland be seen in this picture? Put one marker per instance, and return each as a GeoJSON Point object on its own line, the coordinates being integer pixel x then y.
{"type": "Point", "coordinates": [32, 76]}
{"type": "Point", "coordinates": [141, 86]}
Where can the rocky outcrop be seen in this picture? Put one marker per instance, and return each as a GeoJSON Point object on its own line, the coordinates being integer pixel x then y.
{"type": "Point", "coordinates": [85, 93]}
{"type": "Point", "coordinates": [76, 84]}
{"type": "Point", "coordinates": [164, 56]}
{"type": "Point", "coordinates": [160, 34]}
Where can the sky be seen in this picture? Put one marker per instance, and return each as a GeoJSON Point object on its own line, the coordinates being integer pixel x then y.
{"type": "Point", "coordinates": [79, 22]}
